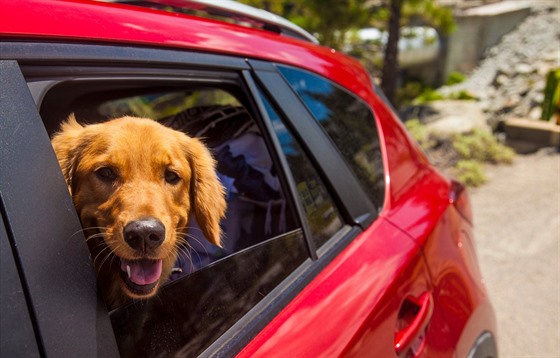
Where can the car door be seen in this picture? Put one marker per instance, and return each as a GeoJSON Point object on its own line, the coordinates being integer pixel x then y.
{"type": "Point", "coordinates": [373, 297]}
{"type": "Point", "coordinates": [219, 307]}
{"type": "Point", "coordinates": [345, 275]}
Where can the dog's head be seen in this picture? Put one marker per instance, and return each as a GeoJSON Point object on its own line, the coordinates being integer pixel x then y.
{"type": "Point", "coordinates": [135, 183]}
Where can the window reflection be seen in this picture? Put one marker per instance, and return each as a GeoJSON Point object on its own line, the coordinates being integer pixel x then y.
{"type": "Point", "coordinates": [350, 124]}
{"type": "Point", "coordinates": [323, 217]}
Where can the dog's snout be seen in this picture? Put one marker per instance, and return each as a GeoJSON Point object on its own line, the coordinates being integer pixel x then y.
{"type": "Point", "coordinates": [144, 235]}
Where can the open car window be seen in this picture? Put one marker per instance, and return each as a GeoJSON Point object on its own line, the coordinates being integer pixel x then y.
{"type": "Point", "coordinates": [211, 287]}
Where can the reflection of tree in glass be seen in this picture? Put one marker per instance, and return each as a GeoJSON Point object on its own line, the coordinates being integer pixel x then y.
{"type": "Point", "coordinates": [163, 104]}
{"type": "Point", "coordinates": [350, 124]}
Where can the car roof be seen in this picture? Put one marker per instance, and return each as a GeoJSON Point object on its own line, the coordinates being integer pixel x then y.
{"type": "Point", "coordinates": [100, 22]}
{"type": "Point", "coordinates": [231, 10]}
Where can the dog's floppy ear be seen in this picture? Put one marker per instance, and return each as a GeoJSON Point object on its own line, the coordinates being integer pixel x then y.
{"type": "Point", "coordinates": [68, 143]}
{"type": "Point", "coordinates": [207, 193]}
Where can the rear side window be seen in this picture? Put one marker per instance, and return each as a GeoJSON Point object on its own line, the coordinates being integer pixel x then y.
{"type": "Point", "coordinates": [349, 123]}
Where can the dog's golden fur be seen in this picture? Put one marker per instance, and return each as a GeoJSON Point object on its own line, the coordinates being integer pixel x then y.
{"type": "Point", "coordinates": [129, 169]}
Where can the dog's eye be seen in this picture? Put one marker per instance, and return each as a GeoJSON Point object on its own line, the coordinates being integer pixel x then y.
{"type": "Point", "coordinates": [171, 177]}
{"type": "Point", "coordinates": [106, 174]}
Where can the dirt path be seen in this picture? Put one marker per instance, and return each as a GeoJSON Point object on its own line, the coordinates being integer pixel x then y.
{"type": "Point", "coordinates": [517, 227]}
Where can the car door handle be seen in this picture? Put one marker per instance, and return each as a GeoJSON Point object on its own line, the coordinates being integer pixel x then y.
{"type": "Point", "coordinates": [414, 315]}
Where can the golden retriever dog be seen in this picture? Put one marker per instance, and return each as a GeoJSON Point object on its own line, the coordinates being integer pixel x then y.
{"type": "Point", "coordinates": [135, 183]}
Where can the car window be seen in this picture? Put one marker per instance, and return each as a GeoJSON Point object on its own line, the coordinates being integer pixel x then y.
{"type": "Point", "coordinates": [256, 202]}
{"type": "Point", "coordinates": [159, 105]}
{"type": "Point", "coordinates": [211, 288]}
{"type": "Point", "coordinates": [348, 121]}
{"type": "Point", "coordinates": [322, 215]}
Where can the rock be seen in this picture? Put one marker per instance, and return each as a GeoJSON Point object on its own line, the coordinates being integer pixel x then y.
{"type": "Point", "coordinates": [508, 83]}
{"type": "Point", "coordinates": [535, 113]}
{"type": "Point", "coordinates": [452, 116]}
{"type": "Point", "coordinates": [524, 68]}
{"type": "Point", "coordinates": [510, 79]}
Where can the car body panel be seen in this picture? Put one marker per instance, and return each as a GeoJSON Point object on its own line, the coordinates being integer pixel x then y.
{"type": "Point", "coordinates": [353, 300]}
{"type": "Point", "coordinates": [139, 26]}
{"type": "Point", "coordinates": [350, 297]}
{"type": "Point", "coordinates": [427, 217]}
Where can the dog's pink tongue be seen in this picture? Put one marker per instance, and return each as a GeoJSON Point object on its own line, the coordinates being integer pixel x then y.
{"type": "Point", "coordinates": [142, 272]}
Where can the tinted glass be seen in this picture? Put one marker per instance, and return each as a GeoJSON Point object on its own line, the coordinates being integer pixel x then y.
{"type": "Point", "coordinates": [191, 313]}
{"type": "Point", "coordinates": [348, 121]}
{"type": "Point", "coordinates": [322, 215]}
{"type": "Point", "coordinates": [164, 104]}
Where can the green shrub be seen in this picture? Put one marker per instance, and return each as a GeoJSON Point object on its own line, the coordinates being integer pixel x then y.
{"type": "Point", "coordinates": [419, 132]}
{"type": "Point", "coordinates": [551, 103]}
{"type": "Point", "coordinates": [428, 95]}
{"type": "Point", "coordinates": [454, 78]}
{"type": "Point", "coordinates": [462, 95]}
{"type": "Point", "coordinates": [462, 155]}
{"type": "Point", "coordinates": [482, 146]}
{"type": "Point", "coordinates": [470, 172]}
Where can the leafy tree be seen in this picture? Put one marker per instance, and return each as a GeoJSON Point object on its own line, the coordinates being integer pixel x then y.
{"type": "Point", "coordinates": [328, 20]}
{"type": "Point", "coordinates": [404, 12]}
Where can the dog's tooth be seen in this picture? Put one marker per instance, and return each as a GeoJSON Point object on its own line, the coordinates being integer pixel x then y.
{"type": "Point", "coordinates": [128, 271]}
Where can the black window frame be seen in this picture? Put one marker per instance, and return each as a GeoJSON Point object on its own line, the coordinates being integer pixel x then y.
{"type": "Point", "coordinates": [35, 204]}
{"type": "Point", "coordinates": [355, 206]}
{"type": "Point", "coordinates": [377, 197]}
{"type": "Point", "coordinates": [358, 212]}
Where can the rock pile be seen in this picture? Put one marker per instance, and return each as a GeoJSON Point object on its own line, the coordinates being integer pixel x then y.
{"type": "Point", "coordinates": [509, 81]}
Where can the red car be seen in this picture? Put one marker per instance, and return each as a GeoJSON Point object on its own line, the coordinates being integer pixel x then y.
{"type": "Point", "coordinates": [341, 238]}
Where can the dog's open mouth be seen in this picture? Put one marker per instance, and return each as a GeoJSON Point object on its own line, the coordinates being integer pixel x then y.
{"type": "Point", "coordinates": [141, 276]}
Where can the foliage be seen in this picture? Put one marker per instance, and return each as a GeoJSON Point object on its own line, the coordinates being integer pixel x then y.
{"type": "Point", "coordinates": [332, 20]}
{"type": "Point", "coordinates": [417, 93]}
{"type": "Point", "coordinates": [428, 95]}
{"type": "Point", "coordinates": [328, 20]}
{"type": "Point", "coordinates": [455, 78]}
{"type": "Point", "coordinates": [428, 12]}
{"type": "Point", "coordinates": [474, 150]}
{"type": "Point", "coordinates": [551, 103]}
{"type": "Point", "coordinates": [480, 145]}
{"type": "Point", "coordinates": [419, 132]}
{"type": "Point", "coordinates": [470, 172]}
{"type": "Point", "coordinates": [461, 155]}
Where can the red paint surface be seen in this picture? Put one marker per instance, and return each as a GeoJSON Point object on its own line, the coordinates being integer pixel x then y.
{"type": "Point", "coordinates": [108, 23]}
{"type": "Point", "coordinates": [419, 244]}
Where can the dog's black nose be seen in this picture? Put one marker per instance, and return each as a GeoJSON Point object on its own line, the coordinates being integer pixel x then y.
{"type": "Point", "coordinates": [144, 235]}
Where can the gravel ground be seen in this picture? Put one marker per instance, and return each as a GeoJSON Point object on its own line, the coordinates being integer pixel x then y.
{"type": "Point", "coordinates": [517, 227]}
{"type": "Point", "coordinates": [517, 214]}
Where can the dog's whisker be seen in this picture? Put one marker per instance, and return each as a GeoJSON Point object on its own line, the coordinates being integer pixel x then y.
{"type": "Point", "coordinates": [185, 228]}
{"type": "Point", "coordinates": [84, 230]}
{"type": "Point", "coordinates": [94, 236]}
{"type": "Point", "coordinates": [102, 252]}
